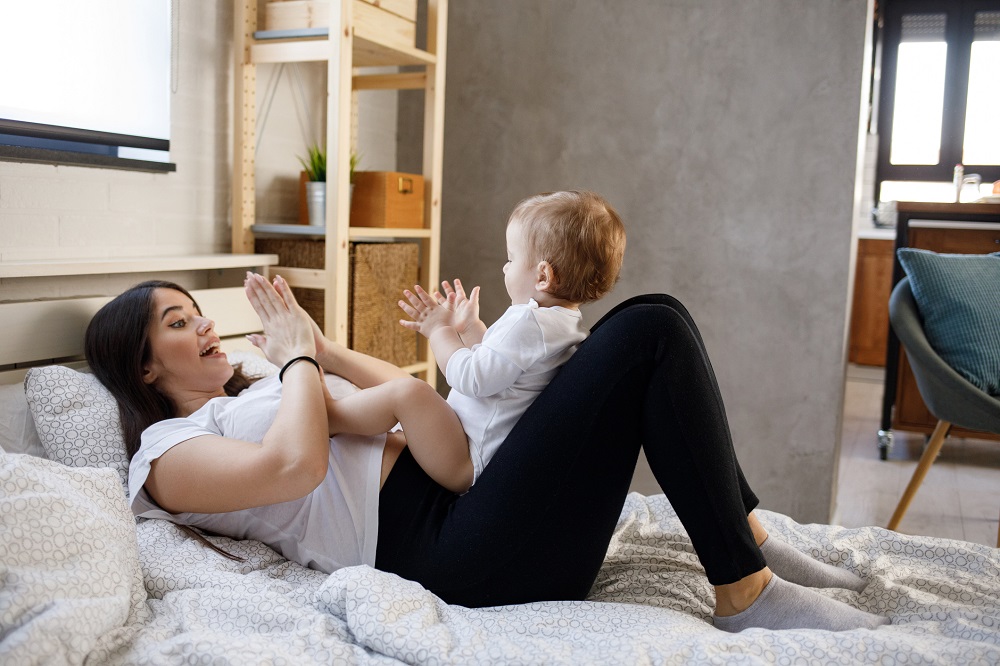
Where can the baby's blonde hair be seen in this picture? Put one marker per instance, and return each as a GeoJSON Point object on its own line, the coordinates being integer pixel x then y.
{"type": "Point", "coordinates": [580, 235]}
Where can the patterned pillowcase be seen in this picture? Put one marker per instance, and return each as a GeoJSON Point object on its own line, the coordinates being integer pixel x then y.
{"type": "Point", "coordinates": [77, 419]}
{"type": "Point", "coordinates": [958, 296]}
{"type": "Point", "coordinates": [70, 565]}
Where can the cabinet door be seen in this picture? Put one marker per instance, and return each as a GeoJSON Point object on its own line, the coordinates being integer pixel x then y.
{"type": "Point", "coordinates": [870, 310]}
{"type": "Point", "coordinates": [910, 413]}
{"type": "Point", "coordinates": [955, 241]}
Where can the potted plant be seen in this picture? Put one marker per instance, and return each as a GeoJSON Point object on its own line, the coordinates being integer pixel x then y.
{"type": "Point", "coordinates": [314, 166]}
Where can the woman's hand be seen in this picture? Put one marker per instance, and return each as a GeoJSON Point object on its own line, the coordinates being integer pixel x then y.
{"type": "Point", "coordinates": [328, 352]}
{"type": "Point", "coordinates": [427, 313]}
{"type": "Point", "coordinates": [288, 329]}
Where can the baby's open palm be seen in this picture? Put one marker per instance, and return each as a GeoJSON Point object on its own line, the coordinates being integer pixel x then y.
{"type": "Point", "coordinates": [466, 308]}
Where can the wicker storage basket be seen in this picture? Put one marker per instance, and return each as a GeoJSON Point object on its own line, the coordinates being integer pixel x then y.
{"type": "Point", "coordinates": [379, 273]}
{"type": "Point", "coordinates": [299, 253]}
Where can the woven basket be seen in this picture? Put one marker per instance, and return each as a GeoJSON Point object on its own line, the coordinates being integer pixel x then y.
{"type": "Point", "coordinates": [299, 253]}
{"type": "Point", "coordinates": [379, 274]}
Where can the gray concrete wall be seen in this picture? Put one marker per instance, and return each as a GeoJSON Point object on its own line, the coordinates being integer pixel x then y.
{"type": "Point", "coordinates": [725, 132]}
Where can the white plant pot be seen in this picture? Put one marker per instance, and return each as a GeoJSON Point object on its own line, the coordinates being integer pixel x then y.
{"type": "Point", "coordinates": [316, 201]}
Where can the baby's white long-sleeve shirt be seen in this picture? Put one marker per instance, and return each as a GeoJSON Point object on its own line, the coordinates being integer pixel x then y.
{"type": "Point", "coordinates": [497, 380]}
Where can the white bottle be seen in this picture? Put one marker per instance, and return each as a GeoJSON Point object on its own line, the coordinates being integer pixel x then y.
{"type": "Point", "coordinates": [956, 180]}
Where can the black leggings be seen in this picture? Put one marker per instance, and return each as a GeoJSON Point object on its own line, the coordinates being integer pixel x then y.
{"type": "Point", "coordinates": [537, 524]}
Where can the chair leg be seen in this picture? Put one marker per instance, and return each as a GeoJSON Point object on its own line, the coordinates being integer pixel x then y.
{"type": "Point", "coordinates": [926, 460]}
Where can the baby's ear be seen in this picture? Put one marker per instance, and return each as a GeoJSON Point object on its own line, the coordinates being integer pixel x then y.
{"type": "Point", "coordinates": [546, 280]}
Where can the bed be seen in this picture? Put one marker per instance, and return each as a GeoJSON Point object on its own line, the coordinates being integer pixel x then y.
{"type": "Point", "coordinates": [82, 581]}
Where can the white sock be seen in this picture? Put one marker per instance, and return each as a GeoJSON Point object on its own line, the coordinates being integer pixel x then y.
{"type": "Point", "coordinates": [784, 605]}
{"type": "Point", "coordinates": [797, 567]}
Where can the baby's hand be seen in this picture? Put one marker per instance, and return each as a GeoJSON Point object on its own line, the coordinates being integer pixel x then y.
{"type": "Point", "coordinates": [466, 308]}
{"type": "Point", "coordinates": [426, 312]}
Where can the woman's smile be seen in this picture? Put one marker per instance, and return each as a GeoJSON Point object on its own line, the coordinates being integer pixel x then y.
{"type": "Point", "coordinates": [213, 350]}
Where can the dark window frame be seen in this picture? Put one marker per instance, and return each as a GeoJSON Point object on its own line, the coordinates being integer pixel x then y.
{"type": "Point", "coordinates": [54, 144]}
{"type": "Point", "coordinates": [959, 35]}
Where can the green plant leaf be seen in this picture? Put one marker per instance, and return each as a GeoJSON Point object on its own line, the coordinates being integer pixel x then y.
{"type": "Point", "coordinates": [315, 165]}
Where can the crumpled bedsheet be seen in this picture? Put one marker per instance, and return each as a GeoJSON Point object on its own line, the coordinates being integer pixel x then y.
{"type": "Point", "coordinates": [650, 604]}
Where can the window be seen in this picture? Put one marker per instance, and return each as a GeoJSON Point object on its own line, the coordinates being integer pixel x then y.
{"type": "Point", "coordinates": [86, 83]}
{"type": "Point", "coordinates": [939, 98]}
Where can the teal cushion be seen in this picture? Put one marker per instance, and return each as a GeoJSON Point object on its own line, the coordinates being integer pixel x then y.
{"type": "Point", "coordinates": [958, 296]}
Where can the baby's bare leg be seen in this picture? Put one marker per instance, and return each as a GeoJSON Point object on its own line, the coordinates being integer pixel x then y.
{"type": "Point", "coordinates": [433, 432]}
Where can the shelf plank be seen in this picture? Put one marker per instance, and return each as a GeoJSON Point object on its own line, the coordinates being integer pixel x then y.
{"type": "Point", "coordinates": [369, 51]}
{"type": "Point", "coordinates": [307, 230]}
{"type": "Point", "coordinates": [306, 278]}
{"type": "Point", "coordinates": [319, 231]}
{"type": "Point", "coordinates": [294, 50]}
{"type": "Point", "coordinates": [376, 233]}
{"type": "Point", "coordinates": [296, 33]}
{"type": "Point", "coordinates": [64, 267]}
{"type": "Point", "coordinates": [402, 81]}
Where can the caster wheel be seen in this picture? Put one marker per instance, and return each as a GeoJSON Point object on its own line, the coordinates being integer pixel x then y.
{"type": "Point", "coordinates": [884, 444]}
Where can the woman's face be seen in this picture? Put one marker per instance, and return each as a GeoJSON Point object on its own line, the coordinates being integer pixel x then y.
{"type": "Point", "coordinates": [185, 359]}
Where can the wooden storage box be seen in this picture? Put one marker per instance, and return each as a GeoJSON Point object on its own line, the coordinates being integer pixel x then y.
{"type": "Point", "coordinates": [296, 14]}
{"type": "Point", "coordinates": [389, 22]}
{"type": "Point", "coordinates": [387, 199]}
{"type": "Point", "coordinates": [379, 274]}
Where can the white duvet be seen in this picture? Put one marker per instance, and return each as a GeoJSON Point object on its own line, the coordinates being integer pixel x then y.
{"type": "Point", "coordinates": [152, 595]}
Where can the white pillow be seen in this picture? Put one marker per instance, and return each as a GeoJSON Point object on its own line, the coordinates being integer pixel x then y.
{"type": "Point", "coordinates": [252, 364]}
{"type": "Point", "coordinates": [70, 575]}
{"type": "Point", "coordinates": [17, 429]}
{"type": "Point", "coordinates": [77, 419]}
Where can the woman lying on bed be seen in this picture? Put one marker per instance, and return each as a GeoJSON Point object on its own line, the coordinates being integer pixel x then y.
{"type": "Point", "coordinates": [536, 525]}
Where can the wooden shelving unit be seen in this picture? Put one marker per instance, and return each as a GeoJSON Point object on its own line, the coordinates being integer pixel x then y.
{"type": "Point", "coordinates": [352, 42]}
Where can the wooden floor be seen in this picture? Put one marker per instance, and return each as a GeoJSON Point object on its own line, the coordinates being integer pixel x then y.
{"type": "Point", "coordinates": [959, 499]}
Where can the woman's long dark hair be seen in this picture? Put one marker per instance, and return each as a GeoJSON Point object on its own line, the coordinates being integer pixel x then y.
{"type": "Point", "coordinates": [117, 348]}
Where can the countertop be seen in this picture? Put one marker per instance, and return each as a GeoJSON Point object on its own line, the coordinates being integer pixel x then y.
{"type": "Point", "coordinates": [876, 233]}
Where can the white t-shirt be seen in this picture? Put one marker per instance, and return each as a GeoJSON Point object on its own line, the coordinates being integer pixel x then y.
{"type": "Point", "coordinates": [334, 526]}
{"type": "Point", "coordinates": [496, 381]}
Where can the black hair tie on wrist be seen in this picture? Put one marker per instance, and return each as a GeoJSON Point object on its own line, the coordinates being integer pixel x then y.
{"type": "Point", "coordinates": [281, 374]}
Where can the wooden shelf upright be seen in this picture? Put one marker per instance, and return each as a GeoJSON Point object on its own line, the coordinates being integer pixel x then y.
{"type": "Point", "coordinates": [355, 39]}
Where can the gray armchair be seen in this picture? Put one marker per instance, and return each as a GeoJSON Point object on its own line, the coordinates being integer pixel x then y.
{"type": "Point", "coordinates": [948, 395]}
